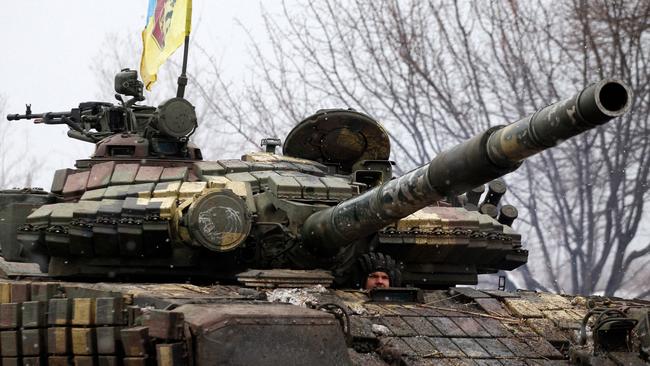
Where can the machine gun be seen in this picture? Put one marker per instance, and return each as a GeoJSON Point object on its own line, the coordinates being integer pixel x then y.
{"type": "Point", "coordinates": [93, 121]}
{"type": "Point", "coordinates": [170, 123]}
{"type": "Point", "coordinates": [88, 116]}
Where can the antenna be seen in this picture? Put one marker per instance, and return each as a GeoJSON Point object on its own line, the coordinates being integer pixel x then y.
{"type": "Point", "coordinates": [182, 80]}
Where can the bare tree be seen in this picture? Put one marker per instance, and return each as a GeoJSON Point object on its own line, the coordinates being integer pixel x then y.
{"type": "Point", "coordinates": [5, 164]}
{"type": "Point", "coordinates": [438, 72]}
{"type": "Point", "coordinates": [592, 190]}
{"type": "Point", "coordinates": [14, 171]}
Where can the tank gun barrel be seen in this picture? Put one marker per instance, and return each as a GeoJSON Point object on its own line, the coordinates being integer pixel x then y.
{"type": "Point", "coordinates": [489, 155]}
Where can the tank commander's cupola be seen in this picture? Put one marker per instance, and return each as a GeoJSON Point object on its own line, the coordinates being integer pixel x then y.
{"type": "Point", "coordinates": [349, 142]}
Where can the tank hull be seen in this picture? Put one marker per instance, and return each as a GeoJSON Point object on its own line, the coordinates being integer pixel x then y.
{"type": "Point", "coordinates": [180, 324]}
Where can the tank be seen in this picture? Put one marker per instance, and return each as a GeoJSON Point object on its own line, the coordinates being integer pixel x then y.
{"type": "Point", "coordinates": [204, 261]}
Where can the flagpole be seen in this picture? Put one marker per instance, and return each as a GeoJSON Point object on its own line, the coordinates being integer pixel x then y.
{"type": "Point", "coordinates": [182, 80]}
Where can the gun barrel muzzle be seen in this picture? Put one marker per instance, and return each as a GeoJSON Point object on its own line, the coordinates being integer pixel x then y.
{"type": "Point", "coordinates": [593, 106]}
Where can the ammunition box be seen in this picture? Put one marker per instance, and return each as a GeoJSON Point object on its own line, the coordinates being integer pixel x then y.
{"type": "Point", "coordinates": [11, 343]}
{"type": "Point", "coordinates": [83, 341]}
{"type": "Point", "coordinates": [59, 312]}
{"type": "Point", "coordinates": [58, 361]}
{"type": "Point", "coordinates": [170, 354]}
{"type": "Point", "coordinates": [59, 340]}
{"type": "Point", "coordinates": [34, 361]}
{"type": "Point", "coordinates": [43, 291]}
{"type": "Point", "coordinates": [33, 342]}
{"type": "Point", "coordinates": [34, 314]}
{"type": "Point", "coordinates": [12, 361]}
{"type": "Point", "coordinates": [164, 324]}
{"type": "Point", "coordinates": [109, 311]}
{"type": "Point", "coordinates": [10, 315]}
{"type": "Point", "coordinates": [5, 293]}
{"type": "Point", "coordinates": [84, 361]}
{"type": "Point", "coordinates": [108, 361]}
{"type": "Point", "coordinates": [83, 311]}
{"type": "Point", "coordinates": [108, 340]}
{"type": "Point", "coordinates": [136, 361]}
{"type": "Point", "coordinates": [136, 341]}
{"type": "Point", "coordinates": [20, 292]}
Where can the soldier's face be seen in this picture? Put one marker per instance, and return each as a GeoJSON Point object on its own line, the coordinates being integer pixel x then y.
{"type": "Point", "coordinates": [377, 279]}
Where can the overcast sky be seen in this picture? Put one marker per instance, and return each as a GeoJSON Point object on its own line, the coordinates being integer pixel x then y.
{"type": "Point", "coordinates": [48, 51]}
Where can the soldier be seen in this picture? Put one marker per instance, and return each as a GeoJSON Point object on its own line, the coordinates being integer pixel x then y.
{"type": "Point", "coordinates": [377, 279]}
{"type": "Point", "coordinates": [378, 270]}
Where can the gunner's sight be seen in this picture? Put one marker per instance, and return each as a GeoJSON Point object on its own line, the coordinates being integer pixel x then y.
{"type": "Point", "coordinates": [127, 83]}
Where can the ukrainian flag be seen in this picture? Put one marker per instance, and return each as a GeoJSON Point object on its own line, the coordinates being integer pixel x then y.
{"type": "Point", "coordinates": [168, 22]}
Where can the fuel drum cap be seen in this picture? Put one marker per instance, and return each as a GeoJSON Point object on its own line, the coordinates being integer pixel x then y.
{"type": "Point", "coordinates": [219, 221]}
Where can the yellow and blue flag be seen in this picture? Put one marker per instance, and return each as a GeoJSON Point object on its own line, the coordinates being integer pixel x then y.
{"type": "Point", "coordinates": [168, 22]}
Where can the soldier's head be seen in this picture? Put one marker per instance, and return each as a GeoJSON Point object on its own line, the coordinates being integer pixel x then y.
{"type": "Point", "coordinates": [378, 270]}
{"type": "Point", "coordinates": [377, 279]}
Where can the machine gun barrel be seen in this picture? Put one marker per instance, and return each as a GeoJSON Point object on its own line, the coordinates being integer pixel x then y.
{"type": "Point", "coordinates": [17, 117]}
{"type": "Point", "coordinates": [492, 154]}
{"type": "Point", "coordinates": [80, 120]}
{"type": "Point", "coordinates": [47, 115]}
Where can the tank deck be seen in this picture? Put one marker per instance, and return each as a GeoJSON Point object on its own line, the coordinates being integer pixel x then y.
{"type": "Point", "coordinates": [124, 323]}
